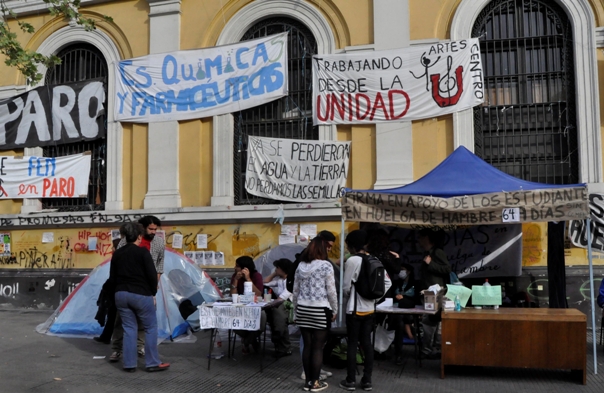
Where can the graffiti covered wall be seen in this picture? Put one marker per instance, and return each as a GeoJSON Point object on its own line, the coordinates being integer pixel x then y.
{"type": "Point", "coordinates": [70, 248]}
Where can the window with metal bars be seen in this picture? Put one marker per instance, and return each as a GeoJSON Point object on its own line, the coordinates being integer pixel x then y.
{"type": "Point", "coordinates": [80, 62]}
{"type": "Point", "coordinates": [526, 126]}
{"type": "Point", "coordinates": [287, 117]}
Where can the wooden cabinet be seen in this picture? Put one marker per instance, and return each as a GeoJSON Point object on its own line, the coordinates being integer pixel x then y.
{"type": "Point", "coordinates": [516, 337]}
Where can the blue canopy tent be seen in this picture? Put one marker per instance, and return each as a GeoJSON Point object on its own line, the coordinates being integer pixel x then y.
{"type": "Point", "coordinates": [466, 190]}
{"type": "Point", "coordinates": [464, 173]}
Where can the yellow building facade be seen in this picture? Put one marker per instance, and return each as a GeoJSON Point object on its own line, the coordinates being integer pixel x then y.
{"type": "Point", "coordinates": [185, 172]}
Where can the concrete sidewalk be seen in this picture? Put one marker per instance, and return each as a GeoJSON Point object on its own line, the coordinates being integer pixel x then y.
{"type": "Point", "coordinates": [33, 362]}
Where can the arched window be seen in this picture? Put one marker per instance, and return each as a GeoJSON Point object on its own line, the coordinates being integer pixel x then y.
{"type": "Point", "coordinates": [527, 126]}
{"type": "Point", "coordinates": [80, 62]}
{"type": "Point", "coordinates": [288, 117]}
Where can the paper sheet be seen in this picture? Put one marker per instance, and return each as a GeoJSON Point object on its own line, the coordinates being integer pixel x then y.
{"type": "Point", "coordinates": [286, 239]}
{"type": "Point", "coordinates": [463, 293]}
{"type": "Point", "coordinates": [291, 229]}
{"type": "Point", "coordinates": [486, 296]}
{"type": "Point", "coordinates": [202, 241]}
{"type": "Point", "coordinates": [92, 241]}
{"type": "Point", "coordinates": [48, 237]}
{"type": "Point", "coordinates": [115, 234]}
{"type": "Point", "coordinates": [177, 240]}
{"type": "Point", "coordinates": [309, 230]}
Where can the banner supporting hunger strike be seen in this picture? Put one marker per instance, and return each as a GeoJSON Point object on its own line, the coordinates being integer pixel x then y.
{"type": "Point", "coordinates": [399, 84]}
{"type": "Point", "coordinates": [296, 170]}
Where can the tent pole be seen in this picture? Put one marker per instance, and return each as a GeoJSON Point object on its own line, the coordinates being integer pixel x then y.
{"type": "Point", "coordinates": [591, 288]}
{"type": "Point", "coordinates": [341, 296]}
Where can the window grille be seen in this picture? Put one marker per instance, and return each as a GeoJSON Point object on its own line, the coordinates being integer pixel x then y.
{"type": "Point", "coordinates": [80, 62]}
{"type": "Point", "coordinates": [527, 125]}
{"type": "Point", "coordinates": [287, 117]}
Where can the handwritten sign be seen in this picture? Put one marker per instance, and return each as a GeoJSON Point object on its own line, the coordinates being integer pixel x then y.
{"type": "Point", "coordinates": [486, 296]}
{"type": "Point", "coordinates": [230, 317]}
{"type": "Point", "coordinates": [53, 115]}
{"type": "Point", "coordinates": [395, 85]}
{"type": "Point", "coordinates": [461, 291]}
{"type": "Point", "coordinates": [510, 215]}
{"type": "Point", "coordinates": [556, 204]}
{"type": "Point", "coordinates": [203, 82]}
{"type": "Point", "coordinates": [44, 177]}
{"type": "Point", "coordinates": [472, 251]}
{"type": "Point", "coordinates": [296, 170]}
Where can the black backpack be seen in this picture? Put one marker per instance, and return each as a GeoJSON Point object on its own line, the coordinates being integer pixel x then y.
{"type": "Point", "coordinates": [370, 283]}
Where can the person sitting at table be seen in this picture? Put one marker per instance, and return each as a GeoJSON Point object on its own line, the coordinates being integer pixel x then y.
{"type": "Point", "coordinates": [245, 271]}
{"type": "Point", "coordinates": [404, 297]}
{"type": "Point", "coordinates": [277, 316]}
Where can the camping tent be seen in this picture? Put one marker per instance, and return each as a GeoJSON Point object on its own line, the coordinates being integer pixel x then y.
{"type": "Point", "coordinates": [466, 190]}
{"type": "Point", "coordinates": [182, 279]}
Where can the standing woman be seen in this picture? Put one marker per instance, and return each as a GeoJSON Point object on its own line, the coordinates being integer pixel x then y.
{"type": "Point", "coordinates": [133, 276]}
{"type": "Point", "coordinates": [316, 305]}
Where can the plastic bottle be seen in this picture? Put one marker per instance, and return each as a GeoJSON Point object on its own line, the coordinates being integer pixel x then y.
{"type": "Point", "coordinates": [457, 303]}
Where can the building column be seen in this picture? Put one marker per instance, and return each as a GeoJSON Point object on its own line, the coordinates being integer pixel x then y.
{"type": "Point", "coordinates": [163, 163]}
{"type": "Point", "coordinates": [394, 141]}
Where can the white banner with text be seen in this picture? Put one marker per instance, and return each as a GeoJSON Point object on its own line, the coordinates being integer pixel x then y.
{"type": "Point", "coordinates": [199, 83]}
{"type": "Point", "coordinates": [577, 229]}
{"type": "Point", "coordinates": [230, 317]}
{"type": "Point", "coordinates": [44, 177]}
{"type": "Point", "coordinates": [296, 170]}
{"type": "Point", "coordinates": [399, 84]}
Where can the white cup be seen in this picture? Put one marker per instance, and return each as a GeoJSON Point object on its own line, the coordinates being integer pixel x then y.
{"type": "Point", "coordinates": [267, 297]}
{"type": "Point", "coordinates": [235, 298]}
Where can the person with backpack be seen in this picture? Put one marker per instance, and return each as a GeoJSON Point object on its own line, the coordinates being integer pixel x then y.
{"type": "Point", "coordinates": [365, 282]}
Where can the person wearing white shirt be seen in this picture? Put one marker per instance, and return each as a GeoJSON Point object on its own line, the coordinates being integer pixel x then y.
{"type": "Point", "coordinates": [277, 317]}
{"type": "Point", "coordinates": [360, 313]}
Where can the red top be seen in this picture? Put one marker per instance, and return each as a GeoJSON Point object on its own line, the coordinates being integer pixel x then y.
{"type": "Point", "coordinates": [145, 243]}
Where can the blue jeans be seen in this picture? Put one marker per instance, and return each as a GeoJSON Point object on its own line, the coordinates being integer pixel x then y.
{"type": "Point", "coordinates": [132, 306]}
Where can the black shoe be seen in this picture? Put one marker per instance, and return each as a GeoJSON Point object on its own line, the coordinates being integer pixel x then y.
{"type": "Point", "coordinates": [430, 356]}
{"type": "Point", "coordinates": [399, 361]}
{"type": "Point", "coordinates": [130, 370]}
{"type": "Point", "coordinates": [256, 346]}
{"type": "Point", "coordinates": [101, 340]}
{"type": "Point", "coordinates": [348, 385]}
{"type": "Point", "coordinates": [281, 354]}
{"type": "Point", "coordinates": [366, 385]}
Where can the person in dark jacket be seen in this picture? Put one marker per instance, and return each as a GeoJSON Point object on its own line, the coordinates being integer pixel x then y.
{"type": "Point", "coordinates": [378, 245]}
{"type": "Point", "coordinates": [134, 279]}
{"type": "Point", "coordinates": [435, 269]}
{"type": "Point", "coordinates": [405, 296]}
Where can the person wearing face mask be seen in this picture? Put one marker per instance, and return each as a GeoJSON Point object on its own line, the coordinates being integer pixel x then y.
{"type": "Point", "coordinates": [404, 297]}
